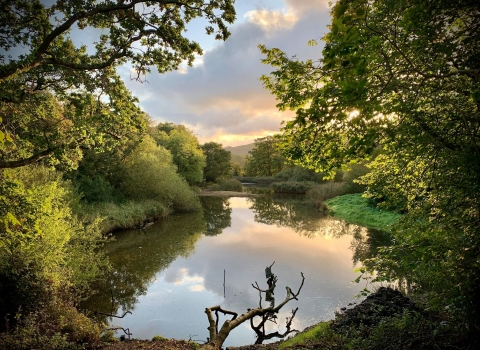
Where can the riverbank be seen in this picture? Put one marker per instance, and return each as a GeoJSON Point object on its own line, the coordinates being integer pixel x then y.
{"type": "Point", "coordinates": [207, 193]}
{"type": "Point", "coordinates": [384, 317]}
{"type": "Point", "coordinates": [355, 209]}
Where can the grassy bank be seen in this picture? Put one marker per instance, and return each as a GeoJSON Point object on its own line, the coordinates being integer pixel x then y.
{"type": "Point", "coordinates": [355, 209]}
{"type": "Point", "coordinates": [121, 216]}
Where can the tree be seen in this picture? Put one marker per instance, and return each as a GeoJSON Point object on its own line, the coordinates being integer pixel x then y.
{"type": "Point", "coordinates": [186, 151]}
{"type": "Point", "coordinates": [404, 76]}
{"type": "Point", "coordinates": [218, 162]}
{"type": "Point", "coordinates": [91, 107]}
{"type": "Point", "coordinates": [150, 173]}
{"type": "Point", "coordinates": [265, 159]}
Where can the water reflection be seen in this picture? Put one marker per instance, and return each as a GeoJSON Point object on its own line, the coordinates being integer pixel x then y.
{"type": "Point", "coordinates": [168, 274]}
{"type": "Point", "coordinates": [136, 257]}
{"type": "Point", "coordinates": [217, 214]}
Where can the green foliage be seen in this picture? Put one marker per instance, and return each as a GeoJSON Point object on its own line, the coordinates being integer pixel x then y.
{"type": "Point", "coordinates": [45, 251]}
{"type": "Point", "coordinates": [265, 159]}
{"type": "Point", "coordinates": [158, 338]}
{"type": "Point", "coordinates": [54, 324]}
{"type": "Point", "coordinates": [298, 173]}
{"type": "Point", "coordinates": [356, 209]}
{"type": "Point", "coordinates": [292, 187]}
{"type": "Point", "coordinates": [320, 193]}
{"type": "Point", "coordinates": [312, 336]}
{"type": "Point", "coordinates": [351, 178]}
{"type": "Point", "coordinates": [186, 152]}
{"type": "Point", "coordinates": [228, 185]}
{"type": "Point", "coordinates": [218, 162]}
{"type": "Point", "coordinates": [125, 215]}
{"type": "Point", "coordinates": [150, 174]}
{"type": "Point", "coordinates": [401, 76]}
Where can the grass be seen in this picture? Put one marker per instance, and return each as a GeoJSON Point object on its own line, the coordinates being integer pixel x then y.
{"type": "Point", "coordinates": [410, 330]}
{"type": "Point", "coordinates": [125, 215]}
{"type": "Point", "coordinates": [355, 209]}
{"type": "Point", "coordinates": [321, 193]}
{"type": "Point", "coordinates": [320, 333]}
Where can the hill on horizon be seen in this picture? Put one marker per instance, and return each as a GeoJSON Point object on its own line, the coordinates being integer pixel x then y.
{"type": "Point", "coordinates": [240, 150]}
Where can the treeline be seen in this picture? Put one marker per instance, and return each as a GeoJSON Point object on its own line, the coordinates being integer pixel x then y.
{"type": "Point", "coordinates": [56, 210]}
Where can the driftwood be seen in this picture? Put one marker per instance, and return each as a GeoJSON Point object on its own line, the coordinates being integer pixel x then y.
{"type": "Point", "coordinates": [268, 314]}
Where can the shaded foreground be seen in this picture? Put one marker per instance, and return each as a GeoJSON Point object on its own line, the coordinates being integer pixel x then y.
{"type": "Point", "coordinates": [386, 317]}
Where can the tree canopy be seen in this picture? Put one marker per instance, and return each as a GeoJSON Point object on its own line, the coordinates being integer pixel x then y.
{"type": "Point", "coordinates": [43, 69]}
{"type": "Point", "coordinates": [402, 76]}
{"type": "Point", "coordinates": [218, 162]}
{"type": "Point", "coordinates": [185, 148]}
{"type": "Point", "coordinates": [265, 159]}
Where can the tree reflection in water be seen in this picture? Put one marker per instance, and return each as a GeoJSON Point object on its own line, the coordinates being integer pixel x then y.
{"type": "Point", "coordinates": [137, 255]}
{"type": "Point", "coordinates": [217, 214]}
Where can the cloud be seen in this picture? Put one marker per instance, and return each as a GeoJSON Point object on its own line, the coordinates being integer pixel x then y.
{"type": "Point", "coordinates": [221, 97]}
{"type": "Point", "coordinates": [271, 20]}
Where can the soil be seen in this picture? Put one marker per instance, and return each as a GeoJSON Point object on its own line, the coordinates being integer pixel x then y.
{"type": "Point", "coordinates": [386, 302]}
{"type": "Point", "coordinates": [166, 344]}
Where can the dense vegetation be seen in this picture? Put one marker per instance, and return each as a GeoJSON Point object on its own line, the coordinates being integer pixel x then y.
{"type": "Point", "coordinates": [401, 78]}
{"type": "Point", "coordinates": [78, 156]}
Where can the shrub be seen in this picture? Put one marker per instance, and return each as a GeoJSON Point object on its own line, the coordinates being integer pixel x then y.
{"type": "Point", "coordinates": [230, 185]}
{"type": "Point", "coordinates": [292, 187]}
{"type": "Point", "coordinates": [351, 176]}
{"type": "Point", "coordinates": [300, 174]}
{"type": "Point", "coordinates": [125, 215]}
{"type": "Point", "coordinates": [150, 174]}
{"type": "Point", "coordinates": [47, 258]}
{"type": "Point", "coordinates": [319, 194]}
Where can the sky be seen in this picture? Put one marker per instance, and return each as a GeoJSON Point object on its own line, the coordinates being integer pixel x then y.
{"type": "Point", "coordinates": [221, 98]}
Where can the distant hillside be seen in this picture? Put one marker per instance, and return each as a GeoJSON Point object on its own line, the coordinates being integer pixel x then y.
{"type": "Point", "coordinates": [240, 150]}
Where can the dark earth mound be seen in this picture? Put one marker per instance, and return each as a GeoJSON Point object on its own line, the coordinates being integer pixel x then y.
{"type": "Point", "coordinates": [386, 302]}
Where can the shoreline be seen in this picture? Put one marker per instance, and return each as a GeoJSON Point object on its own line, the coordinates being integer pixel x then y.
{"type": "Point", "coordinates": [204, 193]}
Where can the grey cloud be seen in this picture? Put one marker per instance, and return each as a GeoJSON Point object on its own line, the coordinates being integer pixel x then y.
{"type": "Point", "coordinates": [224, 95]}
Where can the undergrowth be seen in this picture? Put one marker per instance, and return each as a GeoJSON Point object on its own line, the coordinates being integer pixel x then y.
{"type": "Point", "coordinates": [125, 215]}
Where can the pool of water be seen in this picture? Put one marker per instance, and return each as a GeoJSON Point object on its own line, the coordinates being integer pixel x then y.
{"type": "Point", "coordinates": [169, 273]}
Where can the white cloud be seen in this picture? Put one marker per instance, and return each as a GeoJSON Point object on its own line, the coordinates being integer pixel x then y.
{"type": "Point", "coordinates": [221, 97]}
{"type": "Point", "coordinates": [272, 20]}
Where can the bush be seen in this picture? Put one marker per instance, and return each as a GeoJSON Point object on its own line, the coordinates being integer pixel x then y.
{"type": "Point", "coordinates": [150, 174]}
{"type": "Point", "coordinates": [126, 215]}
{"type": "Point", "coordinates": [300, 174]}
{"type": "Point", "coordinates": [319, 194]}
{"type": "Point", "coordinates": [292, 187]}
{"type": "Point", "coordinates": [47, 259]}
{"type": "Point", "coordinates": [351, 176]}
{"type": "Point", "coordinates": [228, 185]}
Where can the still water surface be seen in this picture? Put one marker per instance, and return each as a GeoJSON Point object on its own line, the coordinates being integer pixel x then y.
{"type": "Point", "coordinates": [169, 273]}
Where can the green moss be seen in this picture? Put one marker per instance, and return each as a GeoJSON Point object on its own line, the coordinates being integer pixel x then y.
{"type": "Point", "coordinates": [355, 209]}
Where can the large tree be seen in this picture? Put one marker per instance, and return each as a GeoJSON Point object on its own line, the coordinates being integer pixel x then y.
{"type": "Point", "coordinates": [265, 159]}
{"type": "Point", "coordinates": [402, 75]}
{"type": "Point", "coordinates": [185, 148]}
{"type": "Point", "coordinates": [218, 162]}
{"type": "Point", "coordinates": [42, 69]}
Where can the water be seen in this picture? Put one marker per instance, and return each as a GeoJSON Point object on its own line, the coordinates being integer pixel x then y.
{"type": "Point", "coordinates": [168, 274]}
